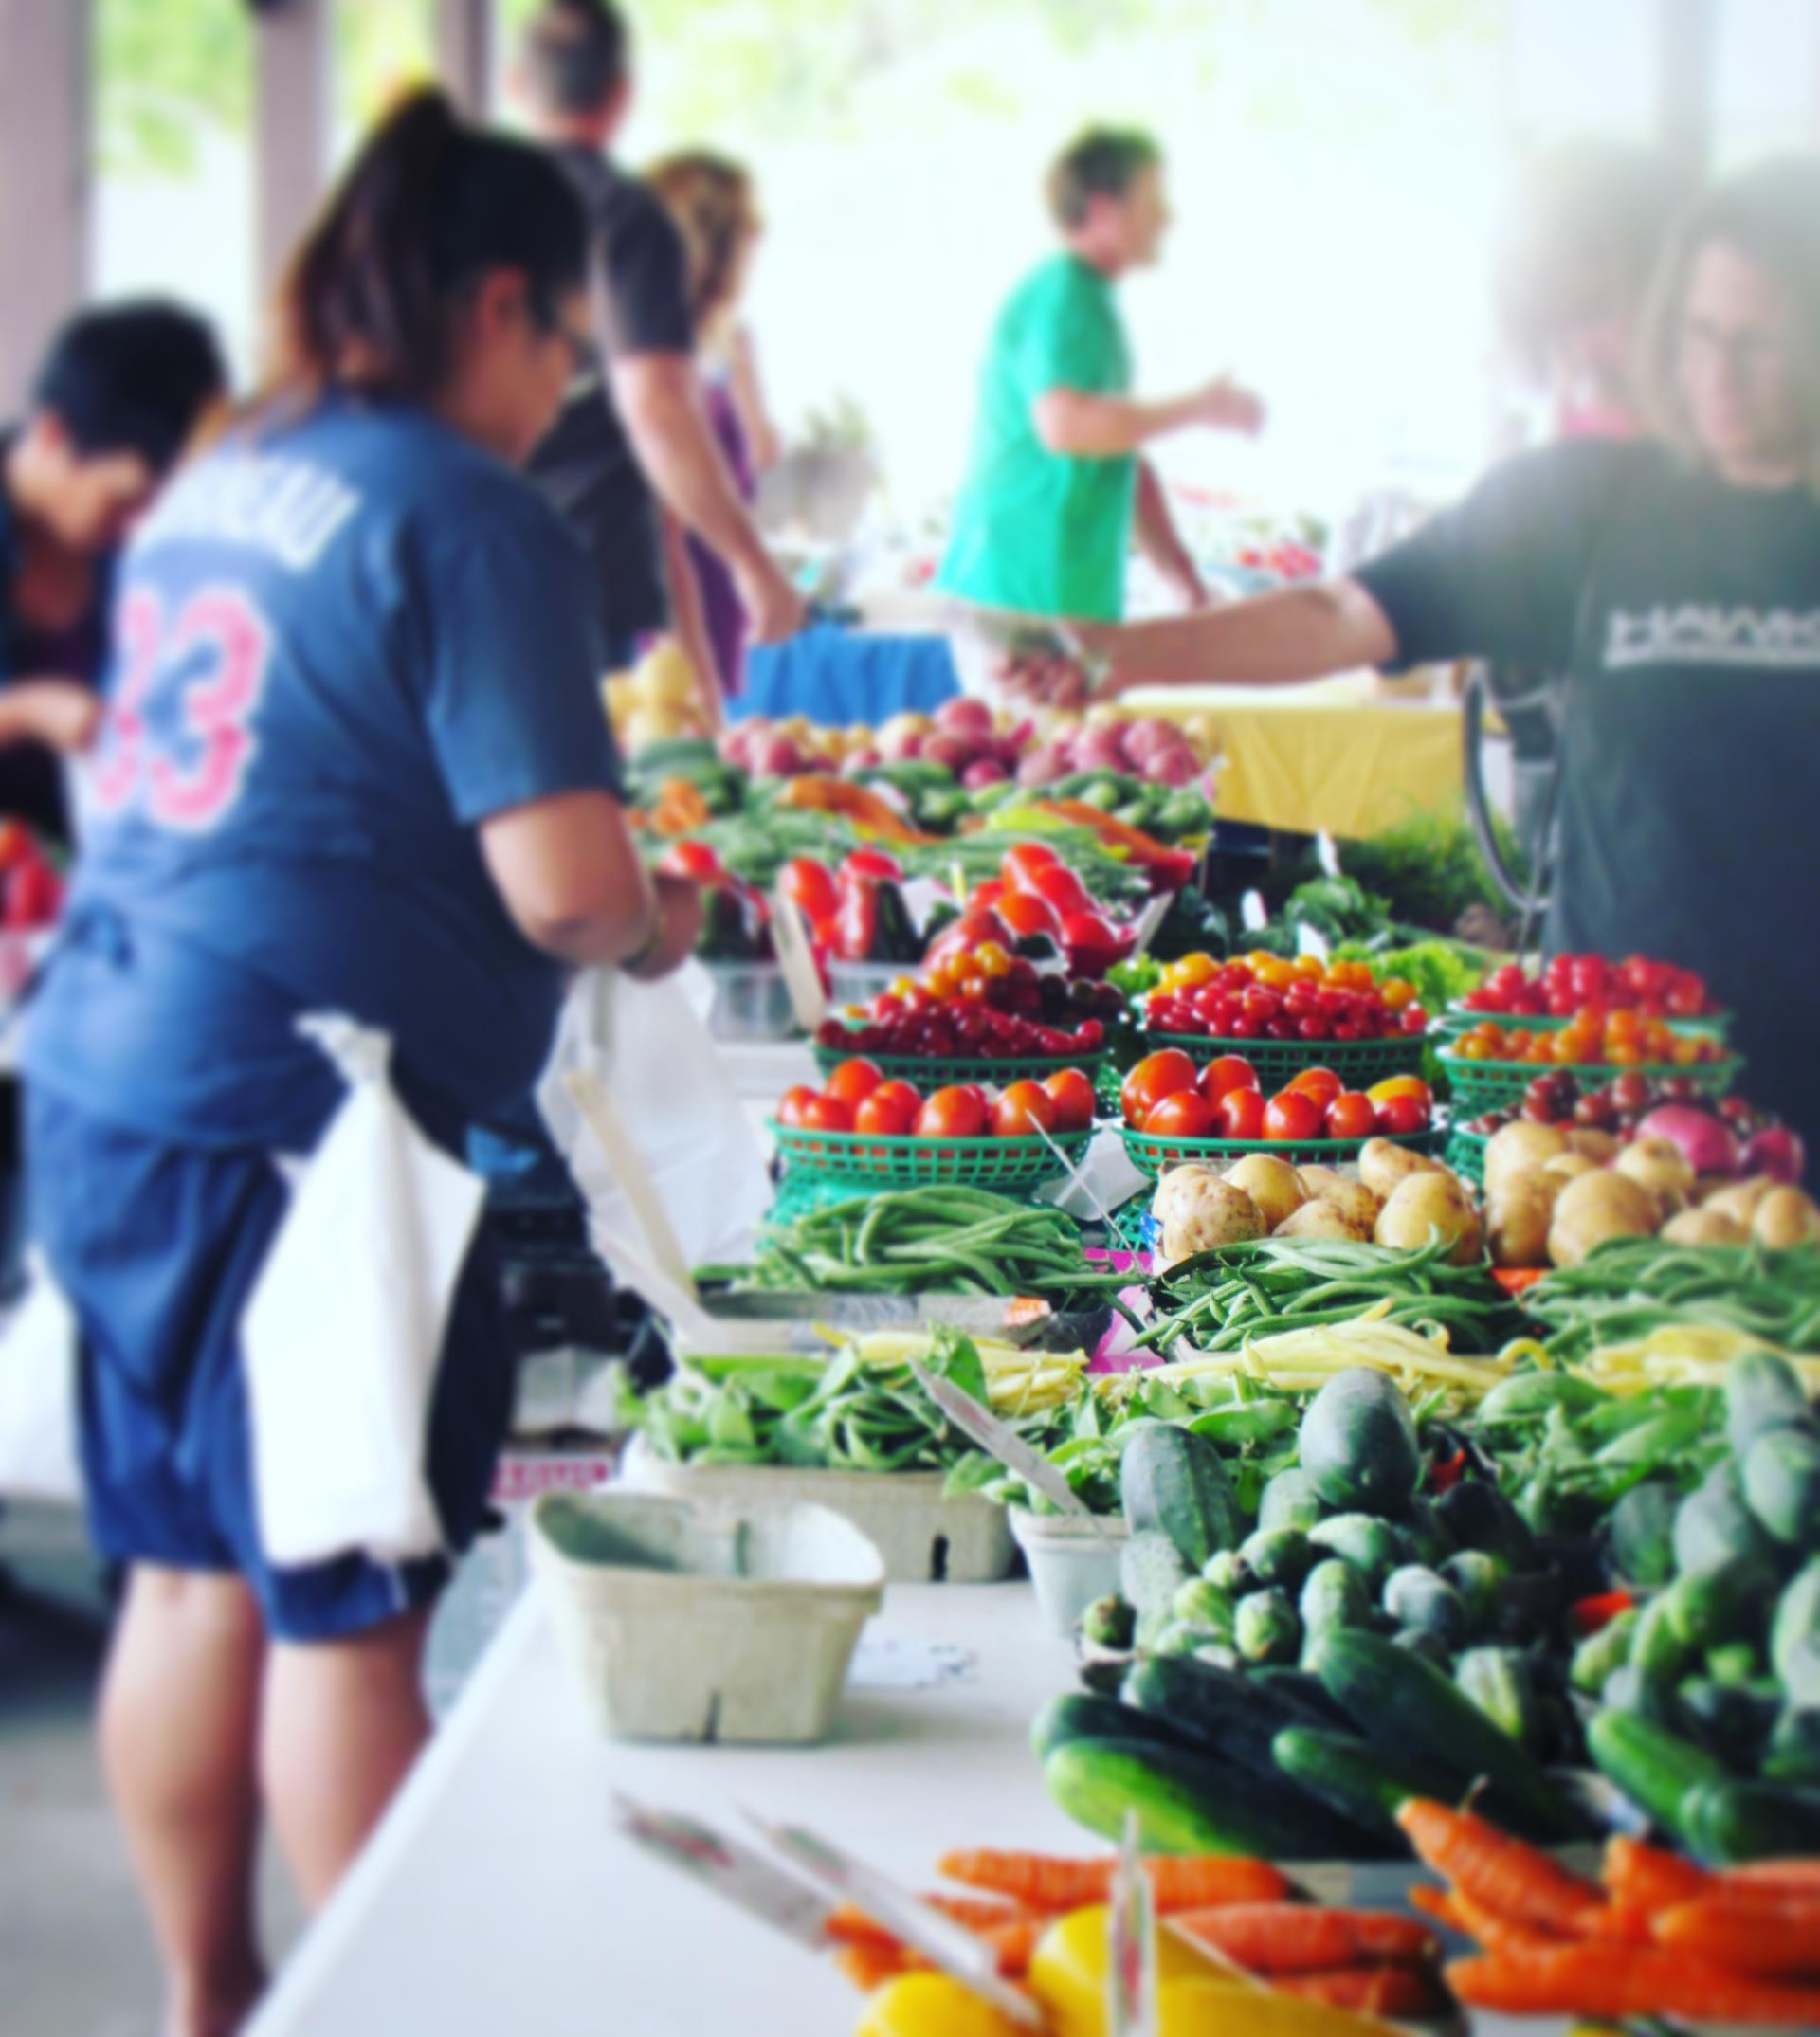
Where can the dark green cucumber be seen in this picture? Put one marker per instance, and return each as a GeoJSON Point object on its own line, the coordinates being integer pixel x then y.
{"type": "Point", "coordinates": [1724, 1822]}
{"type": "Point", "coordinates": [1174, 1483]}
{"type": "Point", "coordinates": [1762, 1392]}
{"type": "Point", "coordinates": [1188, 1803]}
{"type": "Point", "coordinates": [1231, 1714]}
{"type": "Point", "coordinates": [1401, 1702]}
{"type": "Point", "coordinates": [1081, 1715]}
{"type": "Point", "coordinates": [1655, 1768]}
{"type": "Point", "coordinates": [1358, 1445]}
{"type": "Point", "coordinates": [1360, 1781]}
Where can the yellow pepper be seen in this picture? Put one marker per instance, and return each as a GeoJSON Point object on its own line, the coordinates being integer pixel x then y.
{"type": "Point", "coordinates": [931, 2005]}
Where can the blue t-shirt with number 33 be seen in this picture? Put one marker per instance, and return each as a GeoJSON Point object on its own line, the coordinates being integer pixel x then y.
{"type": "Point", "coordinates": [341, 642]}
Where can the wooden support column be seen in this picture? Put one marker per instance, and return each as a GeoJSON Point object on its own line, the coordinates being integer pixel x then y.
{"type": "Point", "coordinates": [290, 127]}
{"type": "Point", "coordinates": [44, 179]}
{"type": "Point", "coordinates": [464, 53]}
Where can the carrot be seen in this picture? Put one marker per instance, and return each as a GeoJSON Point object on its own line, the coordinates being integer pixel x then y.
{"type": "Point", "coordinates": [1016, 1944]}
{"type": "Point", "coordinates": [1385, 1990]}
{"type": "Point", "coordinates": [851, 1926]}
{"type": "Point", "coordinates": [1779, 1940]}
{"type": "Point", "coordinates": [1639, 1877]}
{"type": "Point", "coordinates": [1440, 1905]}
{"type": "Point", "coordinates": [1295, 1938]}
{"type": "Point", "coordinates": [1495, 1930]}
{"type": "Point", "coordinates": [1040, 1881]}
{"type": "Point", "coordinates": [1500, 1873]}
{"type": "Point", "coordinates": [1794, 1878]}
{"type": "Point", "coordinates": [1517, 1280]}
{"type": "Point", "coordinates": [1626, 1980]}
{"type": "Point", "coordinates": [871, 1966]}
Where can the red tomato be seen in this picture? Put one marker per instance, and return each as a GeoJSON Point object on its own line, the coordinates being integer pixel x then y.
{"type": "Point", "coordinates": [1024, 912]}
{"type": "Point", "coordinates": [827, 1114]}
{"type": "Point", "coordinates": [1062, 888]}
{"type": "Point", "coordinates": [1085, 928]}
{"type": "Point", "coordinates": [1187, 1113]}
{"type": "Point", "coordinates": [853, 1081]}
{"type": "Point", "coordinates": [1230, 1072]}
{"type": "Point", "coordinates": [872, 863]}
{"type": "Point", "coordinates": [811, 889]}
{"type": "Point", "coordinates": [1155, 1076]}
{"type": "Point", "coordinates": [1292, 1115]}
{"type": "Point", "coordinates": [889, 1112]}
{"type": "Point", "coordinates": [1025, 1108]}
{"type": "Point", "coordinates": [693, 859]}
{"type": "Point", "coordinates": [1241, 1113]}
{"type": "Point", "coordinates": [989, 896]}
{"type": "Point", "coordinates": [1024, 862]}
{"type": "Point", "coordinates": [793, 1103]}
{"type": "Point", "coordinates": [1400, 1114]}
{"type": "Point", "coordinates": [953, 1113]}
{"type": "Point", "coordinates": [1071, 1092]}
{"type": "Point", "coordinates": [1350, 1115]}
{"type": "Point", "coordinates": [1320, 1083]}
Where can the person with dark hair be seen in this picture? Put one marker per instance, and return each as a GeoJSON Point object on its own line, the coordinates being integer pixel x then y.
{"type": "Point", "coordinates": [633, 449]}
{"type": "Point", "coordinates": [356, 761]}
{"type": "Point", "coordinates": [1057, 485]}
{"type": "Point", "coordinates": [1676, 579]}
{"type": "Point", "coordinates": [114, 403]}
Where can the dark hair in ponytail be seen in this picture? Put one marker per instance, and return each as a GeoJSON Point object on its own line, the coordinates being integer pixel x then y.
{"type": "Point", "coordinates": [427, 206]}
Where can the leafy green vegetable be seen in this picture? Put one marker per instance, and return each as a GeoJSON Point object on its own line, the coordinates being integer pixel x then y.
{"type": "Point", "coordinates": [1429, 869]}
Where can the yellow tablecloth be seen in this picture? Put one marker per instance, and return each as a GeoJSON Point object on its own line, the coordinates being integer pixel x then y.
{"type": "Point", "coordinates": [1334, 756]}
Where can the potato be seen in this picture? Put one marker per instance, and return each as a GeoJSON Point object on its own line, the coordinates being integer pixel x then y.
{"type": "Point", "coordinates": [1177, 1188]}
{"type": "Point", "coordinates": [1738, 1199]}
{"type": "Point", "coordinates": [1786, 1218]}
{"type": "Point", "coordinates": [1323, 1219]}
{"type": "Point", "coordinates": [1424, 1203]}
{"type": "Point", "coordinates": [1316, 1181]}
{"type": "Point", "coordinates": [1383, 1166]}
{"type": "Point", "coordinates": [1519, 1147]}
{"type": "Point", "coordinates": [1704, 1227]}
{"type": "Point", "coordinates": [1662, 1168]}
{"type": "Point", "coordinates": [1353, 1199]}
{"type": "Point", "coordinates": [1598, 1206]}
{"type": "Point", "coordinates": [1212, 1213]}
{"type": "Point", "coordinates": [1517, 1217]}
{"type": "Point", "coordinates": [1569, 1166]}
{"type": "Point", "coordinates": [1270, 1182]}
{"type": "Point", "coordinates": [1599, 1147]}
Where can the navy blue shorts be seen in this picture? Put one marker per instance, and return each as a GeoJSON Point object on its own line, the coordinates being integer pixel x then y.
{"type": "Point", "coordinates": [158, 1247]}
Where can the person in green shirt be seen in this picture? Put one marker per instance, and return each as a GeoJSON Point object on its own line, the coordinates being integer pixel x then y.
{"type": "Point", "coordinates": [1056, 487]}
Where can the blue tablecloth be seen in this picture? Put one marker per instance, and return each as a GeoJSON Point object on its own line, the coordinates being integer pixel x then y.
{"type": "Point", "coordinates": [834, 676]}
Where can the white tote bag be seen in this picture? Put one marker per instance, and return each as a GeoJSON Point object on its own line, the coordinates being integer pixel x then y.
{"type": "Point", "coordinates": [38, 1455]}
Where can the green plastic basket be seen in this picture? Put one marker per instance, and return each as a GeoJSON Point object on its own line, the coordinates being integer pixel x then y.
{"type": "Point", "coordinates": [933, 1070]}
{"type": "Point", "coordinates": [1357, 1063]}
{"type": "Point", "coordinates": [1466, 1153]}
{"type": "Point", "coordinates": [865, 1158]}
{"type": "Point", "coordinates": [1457, 1019]}
{"type": "Point", "coordinates": [1151, 1155]}
{"type": "Point", "coordinates": [1477, 1086]}
{"type": "Point", "coordinates": [1129, 1229]}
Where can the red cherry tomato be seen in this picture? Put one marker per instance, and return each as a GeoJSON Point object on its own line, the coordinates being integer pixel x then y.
{"type": "Point", "coordinates": [1155, 1076]}
{"type": "Point", "coordinates": [1062, 888]}
{"type": "Point", "coordinates": [853, 1081]}
{"type": "Point", "coordinates": [811, 887]}
{"type": "Point", "coordinates": [953, 1113]}
{"type": "Point", "coordinates": [693, 859]}
{"type": "Point", "coordinates": [1322, 1084]}
{"type": "Point", "coordinates": [1023, 864]}
{"type": "Point", "coordinates": [1024, 913]}
{"type": "Point", "coordinates": [989, 895]}
{"type": "Point", "coordinates": [1399, 1115]}
{"type": "Point", "coordinates": [1022, 1110]}
{"type": "Point", "coordinates": [827, 1114]}
{"type": "Point", "coordinates": [1292, 1115]}
{"type": "Point", "coordinates": [1230, 1072]}
{"type": "Point", "coordinates": [1241, 1113]}
{"type": "Point", "coordinates": [792, 1104]}
{"type": "Point", "coordinates": [872, 863]}
{"type": "Point", "coordinates": [1350, 1115]}
{"type": "Point", "coordinates": [1187, 1113]}
{"type": "Point", "coordinates": [889, 1112]}
{"type": "Point", "coordinates": [1071, 1092]}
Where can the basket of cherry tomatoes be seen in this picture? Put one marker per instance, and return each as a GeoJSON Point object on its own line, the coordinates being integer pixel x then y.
{"type": "Point", "coordinates": [1490, 1067]}
{"type": "Point", "coordinates": [1284, 1016]}
{"type": "Point", "coordinates": [1572, 985]}
{"type": "Point", "coordinates": [866, 1126]}
{"type": "Point", "coordinates": [1175, 1111]}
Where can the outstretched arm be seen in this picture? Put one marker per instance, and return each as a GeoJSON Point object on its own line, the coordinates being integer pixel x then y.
{"type": "Point", "coordinates": [1071, 422]}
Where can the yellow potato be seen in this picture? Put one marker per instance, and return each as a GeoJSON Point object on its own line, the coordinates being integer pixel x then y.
{"type": "Point", "coordinates": [1662, 1168]}
{"type": "Point", "coordinates": [1517, 1217]}
{"type": "Point", "coordinates": [1322, 1220]}
{"type": "Point", "coordinates": [1383, 1166]}
{"type": "Point", "coordinates": [1422, 1204]}
{"type": "Point", "coordinates": [1786, 1218]}
{"type": "Point", "coordinates": [1595, 1206]}
{"type": "Point", "coordinates": [1520, 1147]}
{"type": "Point", "coordinates": [1704, 1227]}
{"type": "Point", "coordinates": [1270, 1182]}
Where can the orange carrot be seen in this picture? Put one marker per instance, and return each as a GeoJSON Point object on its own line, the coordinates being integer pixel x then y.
{"type": "Point", "coordinates": [1384, 1990]}
{"type": "Point", "coordinates": [1439, 1904]}
{"type": "Point", "coordinates": [1041, 1883]}
{"type": "Point", "coordinates": [1495, 1930]}
{"type": "Point", "coordinates": [1016, 1944]}
{"type": "Point", "coordinates": [1778, 1940]}
{"type": "Point", "coordinates": [871, 1966]}
{"type": "Point", "coordinates": [1639, 1877]}
{"type": "Point", "coordinates": [1626, 1980]}
{"type": "Point", "coordinates": [1501, 1873]}
{"type": "Point", "coordinates": [1795, 1878]}
{"type": "Point", "coordinates": [1296, 1937]}
{"type": "Point", "coordinates": [1612, 1924]}
{"type": "Point", "coordinates": [851, 1926]}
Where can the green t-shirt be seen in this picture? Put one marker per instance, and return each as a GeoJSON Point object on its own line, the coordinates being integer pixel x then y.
{"type": "Point", "coordinates": [1044, 533]}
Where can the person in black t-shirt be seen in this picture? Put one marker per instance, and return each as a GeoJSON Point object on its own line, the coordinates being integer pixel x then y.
{"type": "Point", "coordinates": [115, 400]}
{"type": "Point", "coordinates": [632, 458]}
{"type": "Point", "coordinates": [1677, 580]}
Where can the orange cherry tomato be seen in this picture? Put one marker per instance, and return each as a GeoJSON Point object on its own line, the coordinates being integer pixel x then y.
{"type": "Point", "coordinates": [1230, 1072]}
{"type": "Point", "coordinates": [889, 1112]}
{"type": "Point", "coordinates": [1401, 1115]}
{"type": "Point", "coordinates": [1022, 1110]}
{"type": "Point", "coordinates": [1022, 863]}
{"type": "Point", "coordinates": [853, 1081]}
{"type": "Point", "coordinates": [1185, 1114]}
{"type": "Point", "coordinates": [1322, 1084]}
{"type": "Point", "coordinates": [1276, 976]}
{"type": "Point", "coordinates": [1241, 1113]}
{"type": "Point", "coordinates": [1071, 1092]}
{"type": "Point", "coordinates": [1352, 1115]}
{"type": "Point", "coordinates": [792, 1104]}
{"type": "Point", "coordinates": [1155, 1076]}
{"type": "Point", "coordinates": [953, 1113]}
{"type": "Point", "coordinates": [1292, 1115]}
{"type": "Point", "coordinates": [1192, 970]}
{"type": "Point", "coordinates": [1399, 1086]}
{"type": "Point", "coordinates": [827, 1114]}
{"type": "Point", "coordinates": [1397, 993]}
{"type": "Point", "coordinates": [1025, 913]}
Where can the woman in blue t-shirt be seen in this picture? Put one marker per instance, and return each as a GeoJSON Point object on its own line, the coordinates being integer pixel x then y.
{"type": "Point", "coordinates": [354, 760]}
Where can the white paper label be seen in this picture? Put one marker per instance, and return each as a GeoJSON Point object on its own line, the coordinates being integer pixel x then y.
{"type": "Point", "coordinates": [1131, 1944]}
{"type": "Point", "coordinates": [739, 1873]}
{"type": "Point", "coordinates": [978, 1424]}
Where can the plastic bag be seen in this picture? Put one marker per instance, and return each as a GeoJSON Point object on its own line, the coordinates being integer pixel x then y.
{"type": "Point", "coordinates": [38, 1355]}
{"type": "Point", "coordinates": [343, 1335]}
{"type": "Point", "coordinates": [670, 1085]}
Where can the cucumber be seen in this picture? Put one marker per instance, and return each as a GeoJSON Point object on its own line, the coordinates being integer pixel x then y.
{"type": "Point", "coordinates": [1529, 1397]}
{"type": "Point", "coordinates": [1655, 1768]}
{"type": "Point", "coordinates": [1277, 1557]}
{"type": "Point", "coordinates": [1357, 1780]}
{"type": "Point", "coordinates": [1265, 1627]}
{"type": "Point", "coordinates": [1151, 1572]}
{"type": "Point", "coordinates": [1289, 1501]}
{"type": "Point", "coordinates": [1295, 1688]}
{"type": "Point", "coordinates": [1421, 1536]}
{"type": "Point", "coordinates": [1417, 1597]}
{"type": "Point", "coordinates": [1368, 1545]}
{"type": "Point", "coordinates": [1478, 1516]}
{"type": "Point", "coordinates": [1657, 1649]}
{"type": "Point", "coordinates": [1358, 1443]}
{"type": "Point", "coordinates": [1078, 1715]}
{"type": "Point", "coordinates": [1641, 1535]}
{"type": "Point", "coordinates": [1725, 1823]}
{"type": "Point", "coordinates": [1224, 1569]}
{"type": "Point", "coordinates": [1423, 1642]}
{"type": "Point", "coordinates": [1782, 1486]}
{"type": "Point", "coordinates": [1400, 1701]}
{"type": "Point", "coordinates": [1174, 1483]}
{"type": "Point", "coordinates": [1498, 1682]}
{"type": "Point", "coordinates": [1793, 1750]}
{"type": "Point", "coordinates": [1797, 1626]}
{"type": "Point", "coordinates": [1730, 1602]}
{"type": "Point", "coordinates": [1735, 1665]}
{"type": "Point", "coordinates": [1109, 1623]}
{"type": "Point", "coordinates": [1762, 1392]}
{"type": "Point", "coordinates": [1630, 1689]}
{"type": "Point", "coordinates": [1200, 1604]}
{"type": "Point", "coordinates": [1731, 1720]}
{"type": "Point", "coordinates": [1226, 1710]}
{"type": "Point", "coordinates": [1714, 1523]}
{"type": "Point", "coordinates": [1479, 1579]}
{"type": "Point", "coordinates": [1187, 1803]}
{"type": "Point", "coordinates": [1599, 1654]}
{"type": "Point", "coordinates": [1333, 1596]}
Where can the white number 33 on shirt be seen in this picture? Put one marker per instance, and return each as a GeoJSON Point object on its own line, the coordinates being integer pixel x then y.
{"type": "Point", "coordinates": [211, 662]}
